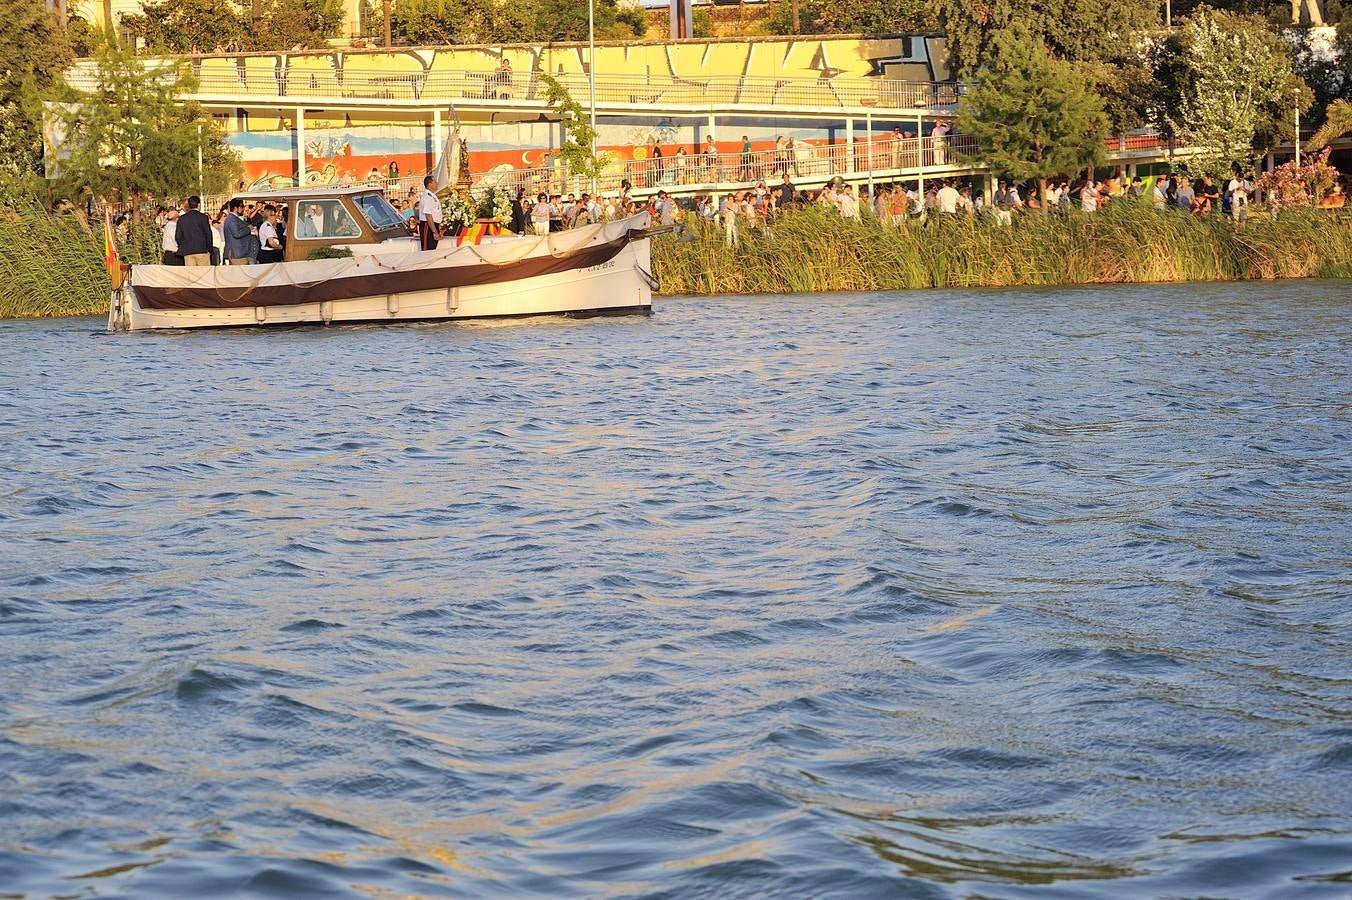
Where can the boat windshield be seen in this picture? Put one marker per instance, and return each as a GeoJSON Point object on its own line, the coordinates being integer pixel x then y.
{"type": "Point", "coordinates": [378, 211]}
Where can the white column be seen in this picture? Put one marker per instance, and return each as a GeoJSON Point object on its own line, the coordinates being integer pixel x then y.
{"type": "Point", "coordinates": [300, 147]}
{"type": "Point", "coordinates": [849, 144]}
{"type": "Point", "coordinates": [438, 140]}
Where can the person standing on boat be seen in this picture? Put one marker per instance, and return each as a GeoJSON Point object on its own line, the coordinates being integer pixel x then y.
{"type": "Point", "coordinates": [192, 235]}
{"type": "Point", "coordinates": [237, 235]}
{"type": "Point", "coordinates": [429, 215]}
{"type": "Point", "coordinates": [268, 239]}
{"type": "Point", "coordinates": [168, 241]}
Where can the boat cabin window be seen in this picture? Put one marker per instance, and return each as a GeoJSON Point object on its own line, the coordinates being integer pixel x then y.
{"type": "Point", "coordinates": [378, 211]}
{"type": "Point", "coordinates": [321, 219]}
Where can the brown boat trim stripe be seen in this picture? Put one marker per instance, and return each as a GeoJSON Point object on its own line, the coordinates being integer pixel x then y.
{"type": "Point", "coordinates": [353, 286]}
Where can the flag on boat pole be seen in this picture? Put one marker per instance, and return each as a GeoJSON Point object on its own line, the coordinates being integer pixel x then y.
{"type": "Point", "coordinates": [448, 164]}
{"type": "Point", "coordinates": [109, 248]}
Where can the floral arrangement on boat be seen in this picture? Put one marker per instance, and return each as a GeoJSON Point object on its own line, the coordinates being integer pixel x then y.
{"type": "Point", "coordinates": [457, 213]}
{"type": "Point", "coordinates": [495, 205]}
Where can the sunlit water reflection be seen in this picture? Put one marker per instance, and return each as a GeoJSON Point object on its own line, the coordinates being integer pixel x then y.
{"type": "Point", "coordinates": [997, 593]}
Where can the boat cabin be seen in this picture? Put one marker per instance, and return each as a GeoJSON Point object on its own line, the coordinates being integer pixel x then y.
{"type": "Point", "coordinates": [358, 217]}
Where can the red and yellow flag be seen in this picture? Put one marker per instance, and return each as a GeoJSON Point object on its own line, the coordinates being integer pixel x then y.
{"type": "Point", "coordinates": [110, 261]}
{"type": "Point", "coordinates": [475, 232]}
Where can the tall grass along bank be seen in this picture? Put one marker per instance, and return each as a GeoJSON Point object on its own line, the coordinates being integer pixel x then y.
{"type": "Point", "coordinates": [813, 250]}
{"type": "Point", "coordinates": [52, 265]}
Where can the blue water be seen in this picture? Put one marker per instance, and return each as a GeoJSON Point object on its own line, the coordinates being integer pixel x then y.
{"type": "Point", "coordinates": [989, 593]}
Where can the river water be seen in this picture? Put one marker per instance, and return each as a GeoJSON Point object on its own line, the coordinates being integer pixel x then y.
{"type": "Point", "coordinates": [1009, 594]}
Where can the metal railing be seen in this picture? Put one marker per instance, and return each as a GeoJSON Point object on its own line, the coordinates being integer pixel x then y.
{"type": "Point", "coordinates": [476, 88]}
{"type": "Point", "coordinates": [806, 165]}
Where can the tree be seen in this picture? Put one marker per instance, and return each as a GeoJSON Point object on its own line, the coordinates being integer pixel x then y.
{"type": "Point", "coordinates": [33, 55]}
{"type": "Point", "coordinates": [283, 24]}
{"type": "Point", "coordinates": [129, 136]}
{"type": "Point", "coordinates": [852, 17]}
{"type": "Point", "coordinates": [1033, 115]}
{"type": "Point", "coordinates": [1077, 30]}
{"type": "Point", "coordinates": [578, 150]}
{"type": "Point", "coordinates": [1337, 122]}
{"type": "Point", "coordinates": [1230, 90]}
{"type": "Point", "coordinates": [186, 26]}
{"type": "Point", "coordinates": [1322, 62]}
{"type": "Point", "coordinates": [491, 21]}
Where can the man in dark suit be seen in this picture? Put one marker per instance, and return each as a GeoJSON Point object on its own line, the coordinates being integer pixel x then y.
{"type": "Point", "coordinates": [193, 235]}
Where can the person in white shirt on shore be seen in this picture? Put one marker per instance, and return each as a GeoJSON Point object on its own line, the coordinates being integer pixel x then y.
{"type": "Point", "coordinates": [848, 203]}
{"type": "Point", "coordinates": [1089, 196]}
{"type": "Point", "coordinates": [948, 199]}
{"type": "Point", "coordinates": [1238, 188]}
{"type": "Point", "coordinates": [540, 214]}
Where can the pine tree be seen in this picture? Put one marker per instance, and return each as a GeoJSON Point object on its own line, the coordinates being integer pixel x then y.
{"type": "Point", "coordinates": [129, 136]}
{"type": "Point", "coordinates": [1033, 115]}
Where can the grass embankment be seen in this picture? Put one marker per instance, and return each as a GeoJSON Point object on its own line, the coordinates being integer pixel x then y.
{"type": "Point", "coordinates": [53, 265]}
{"type": "Point", "coordinates": [813, 250]}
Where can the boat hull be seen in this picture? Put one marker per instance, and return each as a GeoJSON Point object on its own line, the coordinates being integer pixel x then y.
{"type": "Point", "coordinates": [618, 284]}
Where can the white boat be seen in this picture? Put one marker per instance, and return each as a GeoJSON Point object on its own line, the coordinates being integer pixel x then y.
{"type": "Point", "coordinates": [594, 269]}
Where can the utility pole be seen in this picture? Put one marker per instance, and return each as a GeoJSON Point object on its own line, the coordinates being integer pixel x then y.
{"type": "Point", "coordinates": [386, 5]}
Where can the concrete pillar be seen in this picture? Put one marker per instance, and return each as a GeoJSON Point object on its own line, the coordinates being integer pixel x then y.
{"type": "Point", "coordinates": [300, 147]}
{"type": "Point", "coordinates": [849, 144]}
{"type": "Point", "coordinates": [438, 137]}
{"type": "Point", "coordinates": [988, 188]}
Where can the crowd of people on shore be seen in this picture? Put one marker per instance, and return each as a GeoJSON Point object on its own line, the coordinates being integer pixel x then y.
{"type": "Point", "coordinates": [242, 232]}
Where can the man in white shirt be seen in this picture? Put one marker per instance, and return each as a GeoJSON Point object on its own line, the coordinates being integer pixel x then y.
{"type": "Point", "coordinates": [1089, 196]}
{"type": "Point", "coordinates": [429, 215]}
{"type": "Point", "coordinates": [948, 199]}
{"type": "Point", "coordinates": [1238, 189]}
{"type": "Point", "coordinates": [849, 204]}
{"type": "Point", "coordinates": [169, 240]}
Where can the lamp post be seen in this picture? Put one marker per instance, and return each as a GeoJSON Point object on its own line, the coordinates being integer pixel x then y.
{"type": "Point", "coordinates": [1297, 137]}
{"type": "Point", "coordinates": [920, 106]}
{"type": "Point", "coordinates": [868, 103]}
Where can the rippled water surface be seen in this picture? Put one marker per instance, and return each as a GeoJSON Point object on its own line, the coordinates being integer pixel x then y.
{"type": "Point", "coordinates": [1006, 594]}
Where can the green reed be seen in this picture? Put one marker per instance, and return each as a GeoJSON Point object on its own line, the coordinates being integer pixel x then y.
{"type": "Point", "coordinates": [813, 250]}
{"type": "Point", "coordinates": [53, 263]}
